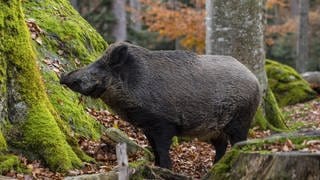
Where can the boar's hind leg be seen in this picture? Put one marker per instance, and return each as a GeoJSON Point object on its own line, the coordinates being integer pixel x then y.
{"type": "Point", "coordinates": [237, 129]}
{"type": "Point", "coordinates": [220, 144]}
{"type": "Point", "coordinates": [160, 139]}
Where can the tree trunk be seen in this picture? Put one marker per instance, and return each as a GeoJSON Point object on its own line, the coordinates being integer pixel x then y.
{"type": "Point", "coordinates": [254, 159]}
{"type": "Point", "coordinates": [135, 15]}
{"type": "Point", "coordinates": [294, 8]}
{"type": "Point", "coordinates": [39, 118]}
{"type": "Point", "coordinates": [75, 4]}
{"type": "Point", "coordinates": [28, 108]}
{"type": "Point", "coordinates": [303, 30]}
{"type": "Point", "coordinates": [120, 28]}
{"type": "Point", "coordinates": [236, 28]}
{"type": "Point", "coordinates": [273, 166]}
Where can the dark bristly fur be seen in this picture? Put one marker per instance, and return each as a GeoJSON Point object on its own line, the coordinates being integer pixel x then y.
{"type": "Point", "coordinates": [169, 93]}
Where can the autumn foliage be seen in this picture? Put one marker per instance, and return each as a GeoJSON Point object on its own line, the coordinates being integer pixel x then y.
{"type": "Point", "coordinates": [186, 23]}
{"type": "Point", "coordinates": [177, 21]}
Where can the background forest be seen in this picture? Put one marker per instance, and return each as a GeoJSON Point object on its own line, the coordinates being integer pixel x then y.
{"type": "Point", "coordinates": [48, 131]}
{"type": "Point", "coordinates": [179, 24]}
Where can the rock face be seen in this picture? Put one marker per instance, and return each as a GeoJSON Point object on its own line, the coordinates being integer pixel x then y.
{"type": "Point", "coordinates": [313, 78]}
{"type": "Point", "coordinates": [287, 85]}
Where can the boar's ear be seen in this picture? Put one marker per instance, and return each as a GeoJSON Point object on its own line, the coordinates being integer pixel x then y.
{"type": "Point", "coordinates": [118, 56]}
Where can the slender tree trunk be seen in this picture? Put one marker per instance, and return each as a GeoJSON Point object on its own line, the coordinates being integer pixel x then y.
{"type": "Point", "coordinates": [209, 27]}
{"type": "Point", "coordinates": [135, 15]}
{"type": "Point", "coordinates": [119, 11]}
{"type": "Point", "coordinates": [294, 8]}
{"type": "Point", "coordinates": [236, 28]}
{"type": "Point", "coordinates": [303, 30]}
{"type": "Point", "coordinates": [277, 19]}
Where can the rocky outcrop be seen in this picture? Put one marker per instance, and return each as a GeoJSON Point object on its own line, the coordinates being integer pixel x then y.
{"type": "Point", "coordinates": [252, 160]}
{"type": "Point", "coordinates": [313, 78]}
{"type": "Point", "coordinates": [287, 85]}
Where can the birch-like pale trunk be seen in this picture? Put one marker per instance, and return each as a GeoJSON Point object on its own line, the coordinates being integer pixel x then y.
{"type": "Point", "coordinates": [302, 40]}
{"type": "Point", "coordinates": [135, 15]}
{"type": "Point", "coordinates": [294, 8]}
{"type": "Point", "coordinates": [120, 28]}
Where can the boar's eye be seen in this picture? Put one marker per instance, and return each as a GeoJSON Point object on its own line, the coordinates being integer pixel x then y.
{"type": "Point", "coordinates": [102, 63]}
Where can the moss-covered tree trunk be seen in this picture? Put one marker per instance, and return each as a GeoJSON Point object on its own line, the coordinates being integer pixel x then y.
{"type": "Point", "coordinates": [235, 28]}
{"type": "Point", "coordinates": [38, 117]}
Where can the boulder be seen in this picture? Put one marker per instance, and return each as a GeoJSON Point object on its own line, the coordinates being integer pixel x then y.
{"type": "Point", "coordinates": [287, 85]}
{"type": "Point", "coordinates": [313, 78]}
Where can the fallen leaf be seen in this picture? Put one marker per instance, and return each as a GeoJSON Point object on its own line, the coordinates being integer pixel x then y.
{"type": "Point", "coordinates": [38, 40]}
{"type": "Point", "coordinates": [76, 60]}
{"type": "Point", "coordinates": [60, 52]}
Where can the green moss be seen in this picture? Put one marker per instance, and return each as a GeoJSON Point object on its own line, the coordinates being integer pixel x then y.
{"type": "Point", "coordinates": [175, 141]}
{"type": "Point", "coordinates": [273, 112]}
{"type": "Point", "coordinates": [261, 145]}
{"type": "Point", "coordinates": [38, 130]}
{"type": "Point", "coordinates": [65, 29]}
{"type": "Point", "coordinates": [71, 137]}
{"type": "Point", "coordinates": [47, 128]}
{"type": "Point", "coordinates": [221, 169]}
{"type": "Point", "coordinates": [3, 143]}
{"type": "Point", "coordinates": [138, 163]}
{"type": "Point", "coordinates": [141, 171]}
{"type": "Point", "coordinates": [260, 120]}
{"type": "Point", "coordinates": [11, 162]}
{"type": "Point", "coordinates": [69, 109]}
{"type": "Point", "coordinates": [287, 85]}
{"type": "Point", "coordinates": [43, 137]}
{"type": "Point", "coordinates": [82, 155]}
{"type": "Point", "coordinates": [271, 116]}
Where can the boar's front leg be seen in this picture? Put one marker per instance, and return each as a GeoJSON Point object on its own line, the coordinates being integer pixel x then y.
{"type": "Point", "coordinates": [160, 138]}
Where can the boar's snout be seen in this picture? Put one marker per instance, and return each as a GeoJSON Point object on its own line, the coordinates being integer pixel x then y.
{"type": "Point", "coordinates": [63, 78]}
{"type": "Point", "coordinates": [69, 80]}
{"type": "Point", "coordinates": [83, 83]}
{"type": "Point", "coordinates": [72, 82]}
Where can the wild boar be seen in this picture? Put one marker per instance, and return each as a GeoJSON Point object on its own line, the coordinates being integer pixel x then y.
{"type": "Point", "coordinates": [173, 93]}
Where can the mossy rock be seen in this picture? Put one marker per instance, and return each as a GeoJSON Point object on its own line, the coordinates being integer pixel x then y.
{"type": "Point", "coordinates": [250, 160]}
{"type": "Point", "coordinates": [10, 162]}
{"type": "Point", "coordinates": [287, 85]}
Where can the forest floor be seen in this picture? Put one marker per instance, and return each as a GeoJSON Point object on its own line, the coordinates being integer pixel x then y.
{"type": "Point", "coordinates": [192, 158]}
